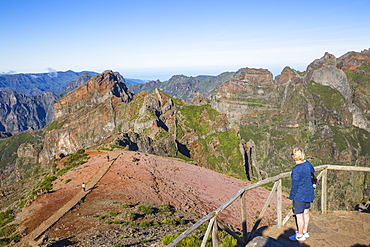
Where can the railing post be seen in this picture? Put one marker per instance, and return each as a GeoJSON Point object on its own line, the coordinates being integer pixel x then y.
{"type": "Point", "coordinates": [215, 234]}
{"type": "Point", "coordinates": [279, 204]}
{"type": "Point", "coordinates": [324, 192]}
{"type": "Point", "coordinates": [205, 238]}
{"type": "Point", "coordinates": [244, 217]}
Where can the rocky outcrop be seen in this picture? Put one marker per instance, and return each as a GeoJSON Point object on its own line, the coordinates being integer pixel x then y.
{"type": "Point", "coordinates": [199, 99]}
{"type": "Point", "coordinates": [99, 88]}
{"type": "Point", "coordinates": [249, 90]}
{"type": "Point", "coordinates": [330, 75]}
{"type": "Point", "coordinates": [29, 150]}
{"type": "Point", "coordinates": [81, 79]}
{"type": "Point", "coordinates": [86, 115]}
{"type": "Point", "coordinates": [19, 112]}
{"type": "Point", "coordinates": [329, 71]}
{"type": "Point", "coordinates": [289, 75]}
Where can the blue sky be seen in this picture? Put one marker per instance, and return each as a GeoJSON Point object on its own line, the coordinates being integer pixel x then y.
{"type": "Point", "coordinates": [158, 39]}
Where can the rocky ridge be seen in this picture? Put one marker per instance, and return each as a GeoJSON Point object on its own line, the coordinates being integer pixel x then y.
{"type": "Point", "coordinates": [36, 83]}
{"type": "Point", "coordinates": [19, 112]}
{"type": "Point", "coordinates": [32, 110]}
{"type": "Point", "coordinates": [185, 87]}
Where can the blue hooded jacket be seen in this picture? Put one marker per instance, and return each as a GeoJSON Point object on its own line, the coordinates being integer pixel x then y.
{"type": "Point", "coordinates": [302, 189]}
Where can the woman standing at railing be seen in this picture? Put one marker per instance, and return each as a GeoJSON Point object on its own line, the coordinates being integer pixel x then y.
{"type": "Point", "coordinates": [301, 193]}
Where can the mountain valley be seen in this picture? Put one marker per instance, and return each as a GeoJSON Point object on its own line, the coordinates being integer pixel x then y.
{"type": "Point", "coordinates": [232, 129]}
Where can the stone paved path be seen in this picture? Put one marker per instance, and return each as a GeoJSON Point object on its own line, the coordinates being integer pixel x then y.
{"type": "Point", "coordinates": [30, 239]}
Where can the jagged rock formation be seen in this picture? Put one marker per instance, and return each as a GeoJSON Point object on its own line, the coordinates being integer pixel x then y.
{"type": "Point", "coordinates": [184, 87]}
{"type": "Point", "coordinates": [86, 115]}
{"type": "Point", "coordinates": [331, 73]}
{"type": "Point", "coordinates": [19, 112]}
{"type": "Point", "coordinates": [81, 79]}
{"type": "Point", "coordinates": [250, 91]}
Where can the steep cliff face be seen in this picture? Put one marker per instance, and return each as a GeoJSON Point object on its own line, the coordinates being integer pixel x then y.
{"type": "Point", "coordinates": [324, 110]}
{"type": "Point", "coordinates": [343, 74]}
{"type": "Point", "coordinates": [19, 112]}
{"type": "Point", "coordinates": [86, 115]}
{"type": "Point", "coordinates": [249, 96]}
{"type": "Point", "coordinates": [160, 124]}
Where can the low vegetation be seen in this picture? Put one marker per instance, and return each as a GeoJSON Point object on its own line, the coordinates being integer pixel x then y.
{"type": "Point", "coordinates": [143, 217]}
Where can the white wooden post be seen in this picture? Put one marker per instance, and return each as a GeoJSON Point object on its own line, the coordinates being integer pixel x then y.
{"type": "Point", "coordinates": [279, 204]}
{"type": "Point", "coordinates": [324, 192]}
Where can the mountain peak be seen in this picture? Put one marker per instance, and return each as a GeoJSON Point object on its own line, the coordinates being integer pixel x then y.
{"type": "Point", "coordinates": [98, 89]}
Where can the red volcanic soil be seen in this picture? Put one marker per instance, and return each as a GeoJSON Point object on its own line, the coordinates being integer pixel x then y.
{"type": "Point", "coordinates": [142, 178]}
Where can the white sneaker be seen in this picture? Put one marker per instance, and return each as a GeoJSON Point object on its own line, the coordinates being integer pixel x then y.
{"type": "Point", "coordinates": [297, 237]}
{"type": "Point", "coordinates": [305, 234]}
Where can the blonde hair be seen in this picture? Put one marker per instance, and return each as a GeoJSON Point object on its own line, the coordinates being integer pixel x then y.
{"type": "Point", "coordinates": [298, 154]}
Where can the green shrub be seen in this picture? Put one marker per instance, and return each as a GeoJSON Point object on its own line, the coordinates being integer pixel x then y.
{"type": "Point", "coordinates": [145, 209]}
{"type": "Point", "coordinates": [46, 183]}
{"type": "Point", "coordinates": [134, 223]}
{"type": "Point", "coordinates": [145, 223]}
{"type": "Point", "coordinates": [6, 217]}
{"type": "Point", "coordinates": [7, 231]}
{"type": "Point", "coordinates": [177, 221]}
{"type": "Point", "coordinates": [125, 205]}
{"type": "Point", "coordinates": [229, 241]}
{"type": "Point", "coordinates": [74, 160]}
{"type": "Point", "coordinates": [113, 213]}
{"type": "Point", "coordinates": [168, 239]}
{"type": "Point", "coordinates": [117, 146]}
{"type": "Point", "coordinates": [118, 245]}
{"type": "Point", "coordinates": [186, 242]}
{"type": "Point", "coordinates": [164, 208]}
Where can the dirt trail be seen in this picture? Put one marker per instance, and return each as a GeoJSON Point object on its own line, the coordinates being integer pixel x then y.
{"type": "Point", "coordinates": [39, 230]}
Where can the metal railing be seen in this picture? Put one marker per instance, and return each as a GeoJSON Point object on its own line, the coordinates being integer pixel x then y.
{"type": "Point", "coordinates": [214, 224]}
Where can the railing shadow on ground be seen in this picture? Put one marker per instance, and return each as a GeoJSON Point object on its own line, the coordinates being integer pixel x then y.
{"type": "Point", "coordinates": [246, 237]}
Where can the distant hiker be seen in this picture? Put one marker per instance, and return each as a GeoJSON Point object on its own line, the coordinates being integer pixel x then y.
{"type": "Point", "coordinates": [108, 158]}
{"type": "Point", "coordinates": [301, 193]}
{"type": "Point", "coordinates": [83, 186]}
